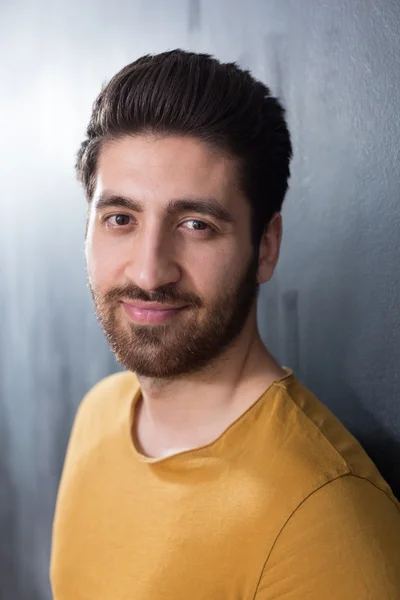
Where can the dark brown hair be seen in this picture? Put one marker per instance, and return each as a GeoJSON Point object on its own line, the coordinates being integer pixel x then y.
{"type": "Point", "coordinates": [185, 93]}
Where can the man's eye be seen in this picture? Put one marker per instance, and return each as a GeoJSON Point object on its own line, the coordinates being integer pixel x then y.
{"type": "Point", "coordinates": [197, 225]}
{"type": "Point", "coordinates": [118, 220]}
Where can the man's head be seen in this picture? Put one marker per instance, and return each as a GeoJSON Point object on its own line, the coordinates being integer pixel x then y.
{"type": "Point", "coordinates": [185, 167]}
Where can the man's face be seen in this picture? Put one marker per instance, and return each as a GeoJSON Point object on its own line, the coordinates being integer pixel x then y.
{"type": "Point", "coordinates": [169, 257]}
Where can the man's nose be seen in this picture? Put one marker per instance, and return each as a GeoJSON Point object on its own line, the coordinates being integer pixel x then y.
{"type": "Point", "coordinates": [153, 261]}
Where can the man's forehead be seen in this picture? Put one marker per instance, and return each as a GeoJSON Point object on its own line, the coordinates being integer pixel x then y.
{"type": "Point", "coordinates": [178, 166]}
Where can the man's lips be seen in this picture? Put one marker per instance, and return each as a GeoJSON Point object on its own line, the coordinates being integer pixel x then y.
{"type": "Point", "coordinates": [152, 305]}
{"type": "Point", "coordinates": [150, 312]}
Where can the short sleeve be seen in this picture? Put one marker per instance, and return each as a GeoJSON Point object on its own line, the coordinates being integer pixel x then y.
{"type": "Point", "coordinates": [342, 543]}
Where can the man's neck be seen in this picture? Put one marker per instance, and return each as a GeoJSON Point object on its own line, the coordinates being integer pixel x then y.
{"type": "Point", "coordinates": [193, 411]}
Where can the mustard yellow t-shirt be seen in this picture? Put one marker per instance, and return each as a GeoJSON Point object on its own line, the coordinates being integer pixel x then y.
{"type": "Point", "coordinates": [284, 505]}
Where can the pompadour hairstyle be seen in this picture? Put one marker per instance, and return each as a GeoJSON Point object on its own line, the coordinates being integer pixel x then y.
{"type": "Point", "coordinates": [189, 94]}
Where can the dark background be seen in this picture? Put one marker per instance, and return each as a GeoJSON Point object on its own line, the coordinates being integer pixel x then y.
{"type": "Point", "coordinates": [331, 312]}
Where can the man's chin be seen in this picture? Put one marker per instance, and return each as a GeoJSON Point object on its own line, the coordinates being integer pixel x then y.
{"type": "Point", "coordinates": [156, 367]}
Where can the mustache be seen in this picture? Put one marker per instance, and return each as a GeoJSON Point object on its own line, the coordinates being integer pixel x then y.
{"type": "Point", "coordinates": [167, 294]}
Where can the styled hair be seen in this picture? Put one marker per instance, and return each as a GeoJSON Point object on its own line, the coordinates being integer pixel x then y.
{"type": "Point", "coordinates": [189, 94]}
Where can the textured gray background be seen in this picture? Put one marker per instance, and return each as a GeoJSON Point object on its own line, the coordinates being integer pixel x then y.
{"type": "Point", "coordinates": [332, 311]}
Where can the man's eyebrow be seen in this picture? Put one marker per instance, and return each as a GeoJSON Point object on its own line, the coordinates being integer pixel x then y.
{"type": "Point", "coordinates": [114, 200]}
{"type": "Point", "coordinates": [202, 206]}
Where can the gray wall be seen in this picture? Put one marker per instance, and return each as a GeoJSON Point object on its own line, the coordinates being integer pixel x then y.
{"type": "Point", "coordinates": [332, 311]}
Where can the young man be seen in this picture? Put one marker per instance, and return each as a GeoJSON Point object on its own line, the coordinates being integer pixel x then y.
{"type": "Point", "coordinates": [206, 470]}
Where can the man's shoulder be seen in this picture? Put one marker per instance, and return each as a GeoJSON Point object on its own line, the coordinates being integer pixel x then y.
{"type": "Point", "coordinates": [115, 386]}
{"type": "Point", "coordinates": [107, 402]}
{"type": "Point", "coordinates": [319, 444]}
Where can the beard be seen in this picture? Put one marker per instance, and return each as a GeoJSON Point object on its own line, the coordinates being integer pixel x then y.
{"type": "Point", "coordinates": [190, 341]}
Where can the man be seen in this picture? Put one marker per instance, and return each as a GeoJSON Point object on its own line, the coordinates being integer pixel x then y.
{"type": "Point", "coordinates": [206, 470]}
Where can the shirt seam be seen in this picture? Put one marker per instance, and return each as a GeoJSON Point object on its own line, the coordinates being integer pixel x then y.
{"type": "Point", "coordinates": [349, 474]}
{"type": "Point", "coordinates": [343, 460]}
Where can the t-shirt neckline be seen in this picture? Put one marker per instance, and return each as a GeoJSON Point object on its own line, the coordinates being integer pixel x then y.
{"type": "Point", "coordinates": [199, 450]}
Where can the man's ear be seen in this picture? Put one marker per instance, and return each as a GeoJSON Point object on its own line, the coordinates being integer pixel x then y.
{"type": "Point", "coordinates": [269, 249]}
